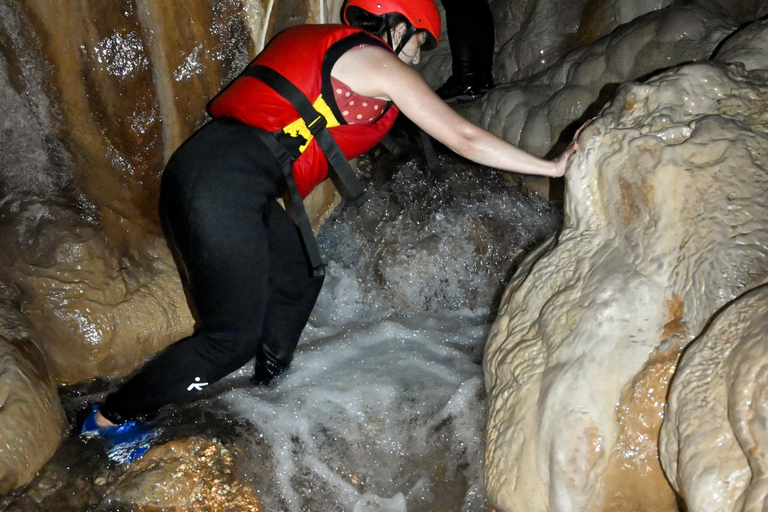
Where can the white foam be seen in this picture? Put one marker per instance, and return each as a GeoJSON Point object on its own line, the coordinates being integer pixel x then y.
{"type": "Point", "coordinates": [383, 406]}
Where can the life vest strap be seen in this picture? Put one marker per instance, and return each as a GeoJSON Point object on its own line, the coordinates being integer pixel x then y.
{"type": "Point", "coordinates": [294, 204]}
{"type": "Point", "coordinates": [339, 169]}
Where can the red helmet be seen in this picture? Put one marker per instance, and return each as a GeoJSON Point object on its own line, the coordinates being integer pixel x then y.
{"type": "Point", "coordinates": [422, 14]}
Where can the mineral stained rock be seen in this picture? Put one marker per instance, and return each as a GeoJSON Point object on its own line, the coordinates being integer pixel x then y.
{"type": "Point", "coordinates": [714, 441]}
{"type": "Point", "coordinates": [95, 98]}
{"type": "Point", "coordinates": [98, 314]}
{"type": "Point", "coordinates": [127, 84]}
{"type": "Point", "coordinates": [665, 224]}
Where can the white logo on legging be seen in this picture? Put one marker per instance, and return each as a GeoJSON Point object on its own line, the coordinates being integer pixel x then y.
{"type": "Point", "coordinates": [197, 385]}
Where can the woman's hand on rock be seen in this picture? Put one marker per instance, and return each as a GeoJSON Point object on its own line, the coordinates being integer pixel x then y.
{"type": "Point", "coordinates": [561, 162]}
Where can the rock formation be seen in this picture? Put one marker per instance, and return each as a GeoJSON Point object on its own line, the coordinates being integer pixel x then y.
{"type": "Point", "coordinates": [713, 440]}
{"type": "Point", "coordinates": [191, 474]}
{"type": "Point", "coordinates": [31, 420]}
{"type": "Point", "coordinates": [664, 226]}
{"type": "Point", "coordinates": [534, 112]}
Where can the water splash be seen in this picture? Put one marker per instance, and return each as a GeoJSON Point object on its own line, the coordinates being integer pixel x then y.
{"type": "Point", "coordinates": [383, 406]}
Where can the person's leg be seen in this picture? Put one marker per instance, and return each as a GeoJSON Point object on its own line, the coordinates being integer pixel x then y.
{"type": "Point", "coordinates": [216, 219]}
{"type": "Point", "coordinates": [471, 36]}
{"type": "Point", "coordinates": [228, 272]}
{"type": "Point", "coordinates": [293, 295]}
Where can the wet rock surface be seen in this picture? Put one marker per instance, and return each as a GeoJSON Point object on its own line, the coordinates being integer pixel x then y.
{"type": "Point", "coordinates": [187, 474]}
{"type": "Point", "coordinates": [32, 421]}
{"type": "Point", "coordinates": [195, 465]}
{"type": "Point", "coordinates": [713, 441]}
{"type": "Point", "coordinates": [665, 225]}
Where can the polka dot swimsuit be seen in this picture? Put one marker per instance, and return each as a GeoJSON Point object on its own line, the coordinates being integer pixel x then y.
{"type": "Point", "coordinates": [356, 109]}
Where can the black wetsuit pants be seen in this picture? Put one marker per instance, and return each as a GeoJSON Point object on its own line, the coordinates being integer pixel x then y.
{"type": "Point", "coordinates": [247, 272]}
{"type": "Point", "coordinates": [471, 36]}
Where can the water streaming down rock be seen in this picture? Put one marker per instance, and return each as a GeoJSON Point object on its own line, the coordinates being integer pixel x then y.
{"type": "Point", "coordinates": [94, 98]}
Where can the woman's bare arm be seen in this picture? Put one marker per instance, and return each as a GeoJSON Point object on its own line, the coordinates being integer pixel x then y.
{"type": "Point", "coordinates": [375, 72]}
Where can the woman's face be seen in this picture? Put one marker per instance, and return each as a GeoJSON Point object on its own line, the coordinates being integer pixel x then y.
{"type": "Point", "coordinates": [411, 52]}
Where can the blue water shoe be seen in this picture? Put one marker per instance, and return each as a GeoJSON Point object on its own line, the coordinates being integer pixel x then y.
{"type": "Point", "coordinates": [126, 442]}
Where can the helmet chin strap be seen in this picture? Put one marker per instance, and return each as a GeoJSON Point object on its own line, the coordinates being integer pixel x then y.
{"type": "Point", "coordinates": [389, 32]}
{"type": "Point", "coordinates": [409, 31]}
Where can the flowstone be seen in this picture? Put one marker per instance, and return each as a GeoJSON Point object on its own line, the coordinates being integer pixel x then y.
{"type": "Point", "coordinates": [714, 442]}
{"type": "Point", "coordinates": [664, 225]}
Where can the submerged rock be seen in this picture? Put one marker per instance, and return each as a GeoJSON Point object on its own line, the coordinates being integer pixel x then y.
{"type": "Point", "coordinates": [665, 224]}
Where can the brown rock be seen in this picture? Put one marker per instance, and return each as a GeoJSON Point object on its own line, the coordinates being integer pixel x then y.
{"type": "Point", "coordinates": [32, 422]}
{"type": "Point", "coordinates": [188, 475]}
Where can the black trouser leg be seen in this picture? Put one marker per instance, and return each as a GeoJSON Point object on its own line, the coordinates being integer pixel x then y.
{"type": "Point", "coordinates": [293, 293]}
{"type": "Point", "coordinates": [471, 36]}
{"type": "Point", "coordinates": [226, 257]}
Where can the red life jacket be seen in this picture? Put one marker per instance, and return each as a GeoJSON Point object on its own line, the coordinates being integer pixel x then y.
{"type": "Point", "coordinates": [305, 56]}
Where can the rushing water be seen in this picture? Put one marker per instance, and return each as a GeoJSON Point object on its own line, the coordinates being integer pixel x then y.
{"type": "Point", "coordinates": [383, 407]}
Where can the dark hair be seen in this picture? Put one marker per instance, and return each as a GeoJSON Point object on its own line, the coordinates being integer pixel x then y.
{"type": "Point", "coordinates": [377, 25]}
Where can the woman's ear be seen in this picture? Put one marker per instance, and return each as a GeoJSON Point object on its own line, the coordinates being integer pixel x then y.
{"type": "Point", "coordinates": [397, 33]}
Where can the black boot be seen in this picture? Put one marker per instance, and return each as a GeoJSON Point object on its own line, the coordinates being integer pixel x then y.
{"type": "Point", "coordinates": [471, 36]}
{"type": "Point", "coordinates": [466, 87]}
{"type": "Point", "coordinates": [266, 368]}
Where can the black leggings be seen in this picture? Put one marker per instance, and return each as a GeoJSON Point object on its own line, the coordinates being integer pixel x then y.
{"type": "Point", "coordinates": [247, 272]}
{"type": "Point", "coordinates": [471, 36]}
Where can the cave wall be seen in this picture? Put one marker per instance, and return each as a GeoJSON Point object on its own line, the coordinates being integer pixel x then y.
{"type": "Point", "coordinates": [107, 92]}
{"type": "Point", "coordinates": [665, 224]}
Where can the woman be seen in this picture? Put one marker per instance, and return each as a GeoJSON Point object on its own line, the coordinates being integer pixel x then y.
{"type": "Point", "coordinates": [252, 278]}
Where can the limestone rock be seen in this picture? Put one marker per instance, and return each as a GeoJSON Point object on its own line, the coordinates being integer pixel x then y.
{"type": "Point", "coordinates": [714, 438]}
{"type": "Point", "coordinates": [32, 422]}
{"type": "Point", "coordinates": [532, 113]}
{"type": "Point", "coordinates": [749, 46]}
{"type": "Point", "coordinates": [664, 225]}
{"type": "Point", "coordinates": [189, 475]}
{"type": "Point", "coordinates": [100, 315]}
{"type": "Point", "coordinates": [533, 35]}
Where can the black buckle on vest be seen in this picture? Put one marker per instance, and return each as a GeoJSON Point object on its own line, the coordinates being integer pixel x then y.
{"type": "Point", "coordinates": [317, 125]}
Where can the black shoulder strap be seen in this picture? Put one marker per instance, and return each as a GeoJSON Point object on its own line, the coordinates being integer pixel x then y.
{"type": "Point", "coordinates": [339, 169]}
